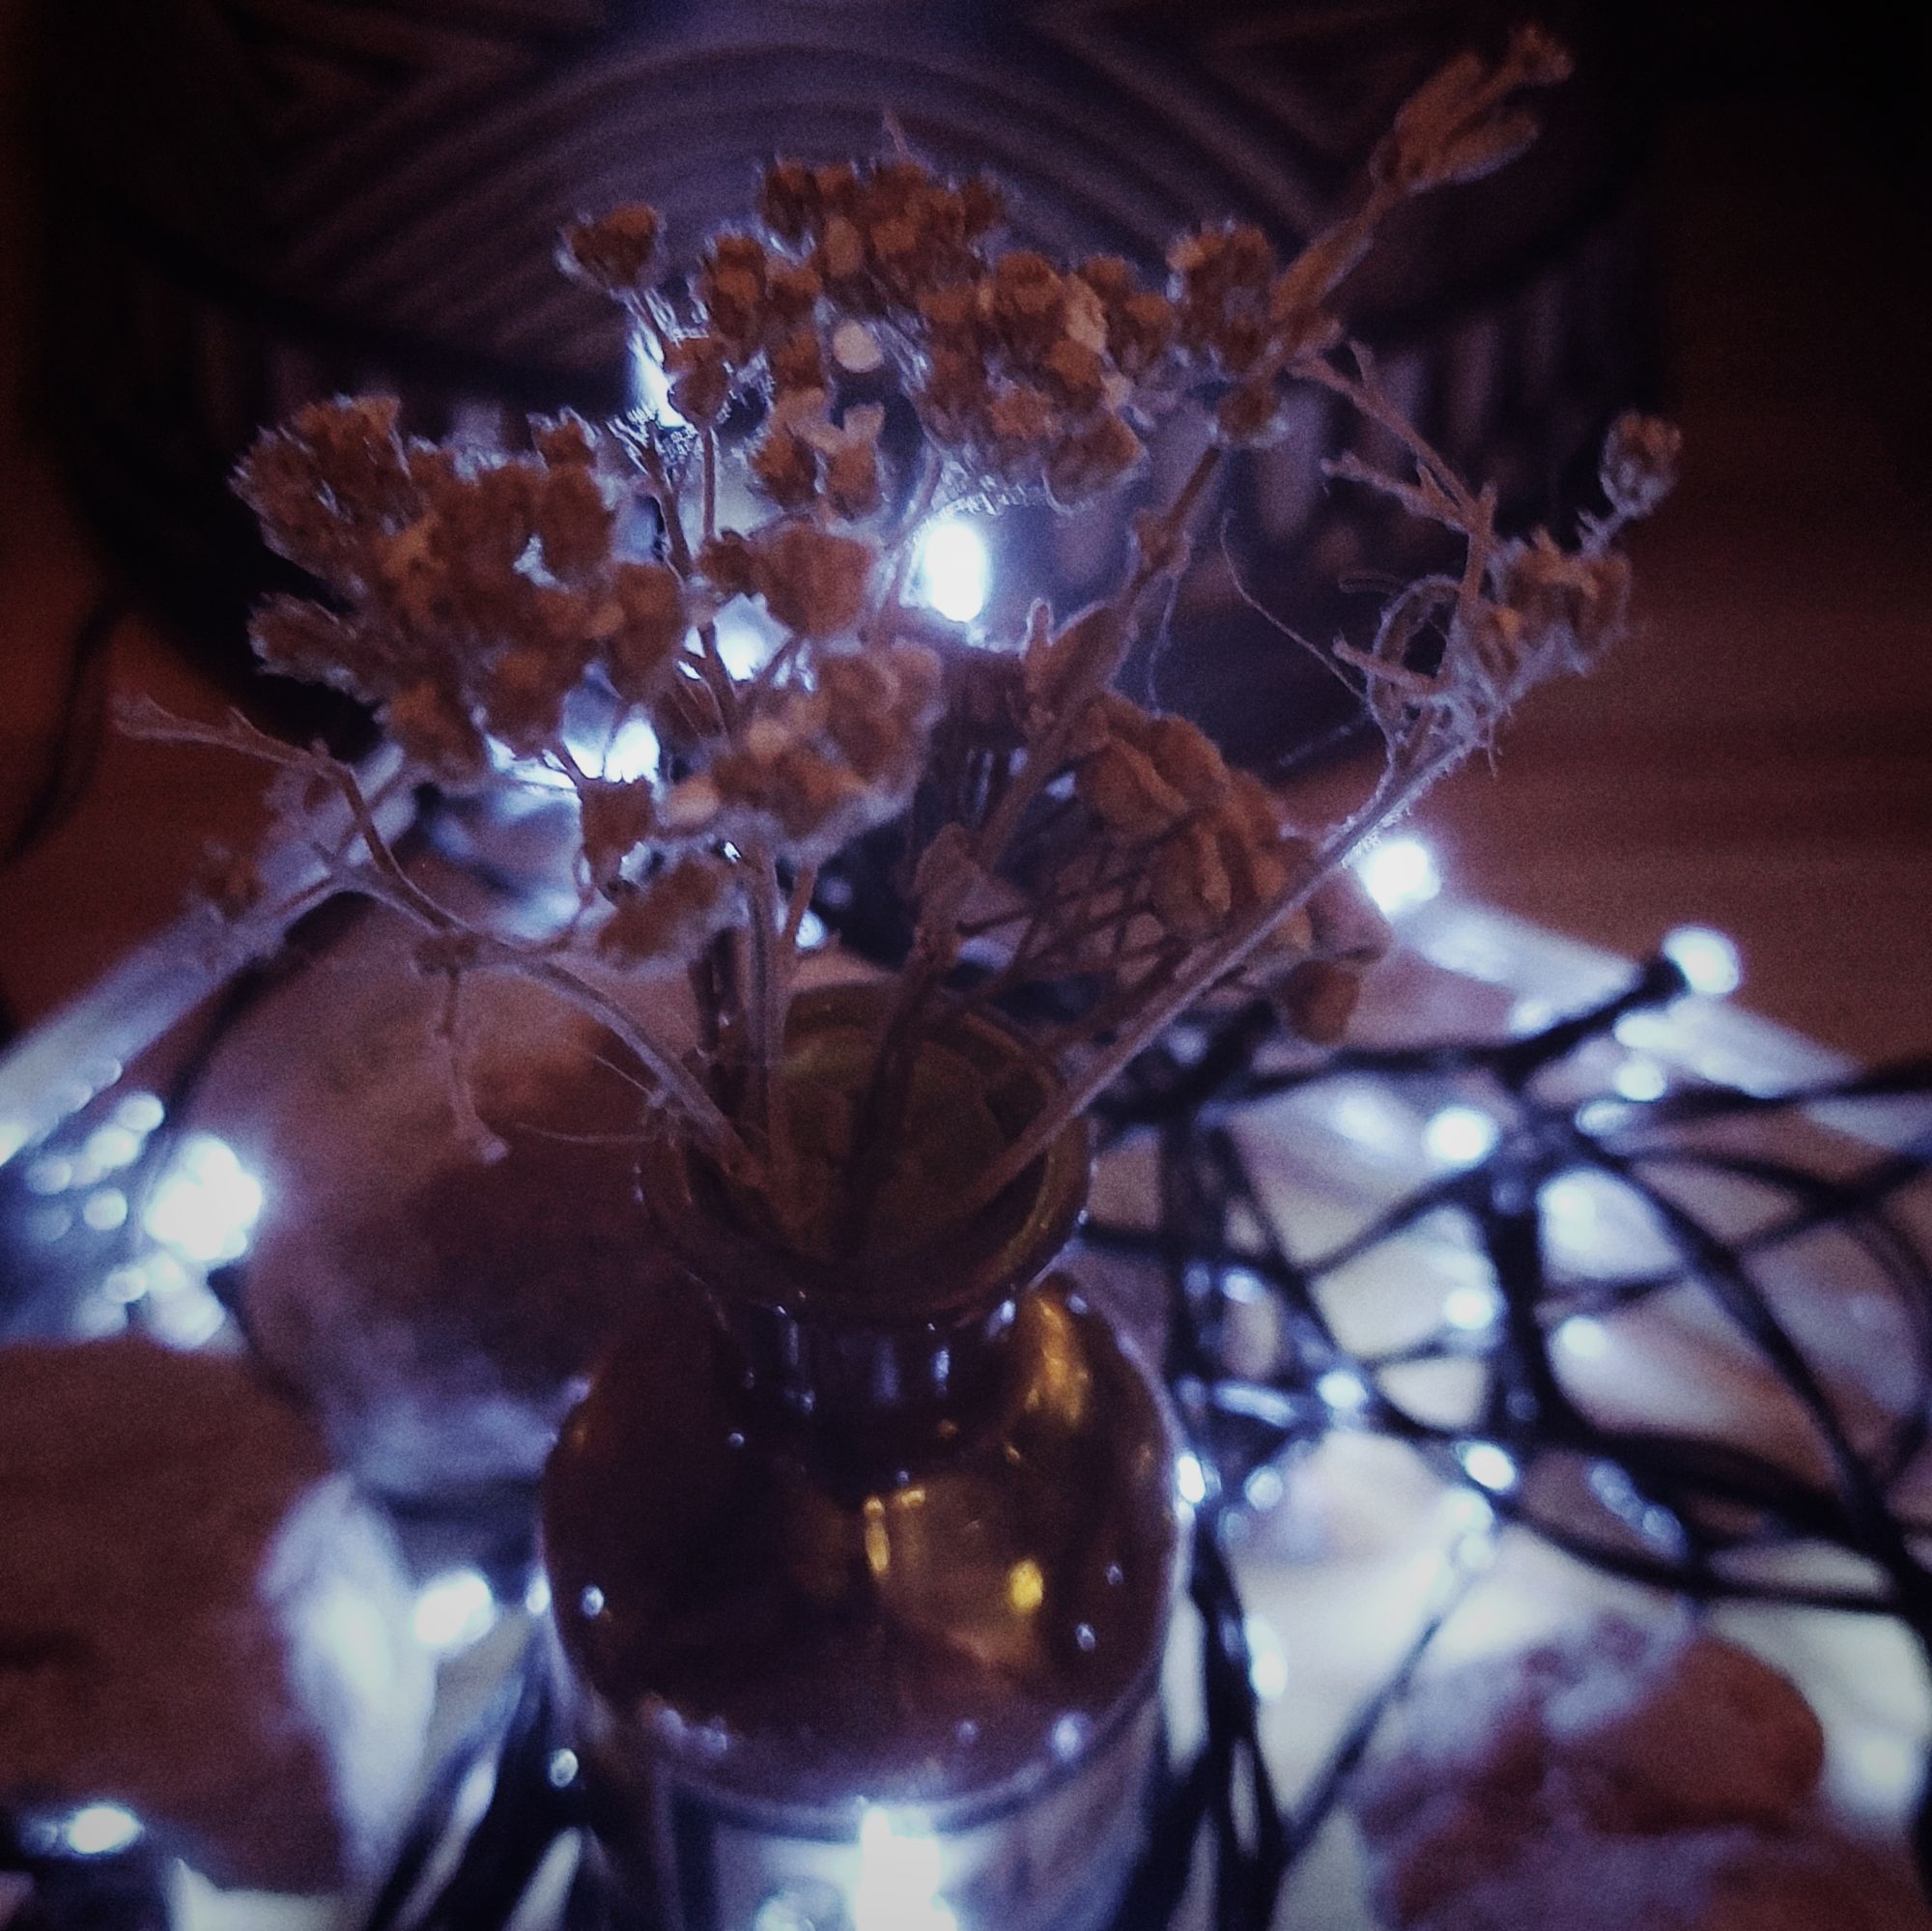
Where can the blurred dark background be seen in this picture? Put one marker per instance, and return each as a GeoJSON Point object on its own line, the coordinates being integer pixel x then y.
{"type": "Point", "coordinates": [212, 211]}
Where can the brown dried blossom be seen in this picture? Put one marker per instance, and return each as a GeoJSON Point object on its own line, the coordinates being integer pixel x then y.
{"type": "Point", "coordinates": [1223, 280]}
{"type": "Point", "coordinates": [1639, 465]}
{"type": "Point", "coordinates": [663, 925]}
{"type": "Point", "coordinates": [1461, 125]}
{"type": "Point", "coordinates": [813, 581]}
{"type": "Point", "coordinates": [652, 619]}
{"type": "Point", "coordinates": [811, 769]}
{"type": "Point", "coordinates": [612, 252]}
{"type": "Point", "coordinates": [488, 603]}
{"type": "Point", "coordinates": [618, 820]}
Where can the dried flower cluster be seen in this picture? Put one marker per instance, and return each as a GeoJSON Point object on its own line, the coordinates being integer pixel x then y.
{"type": "Point", "coordinates": [488, 602]}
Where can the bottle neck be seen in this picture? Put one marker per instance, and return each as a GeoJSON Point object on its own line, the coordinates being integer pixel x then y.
{"type": "Point", "coordinates": [905, 1379]}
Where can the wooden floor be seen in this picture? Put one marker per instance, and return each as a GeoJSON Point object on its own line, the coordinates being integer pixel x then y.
{"type": "Point", "coordinates": [1760, 760]}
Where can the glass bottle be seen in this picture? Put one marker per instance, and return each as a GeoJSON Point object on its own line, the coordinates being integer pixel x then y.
{"type": "Point", "coordinates": [862, 1571]}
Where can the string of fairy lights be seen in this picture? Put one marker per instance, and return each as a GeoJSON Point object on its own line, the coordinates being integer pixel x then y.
{"type": "Point", "coordinates": [1264, 1372]}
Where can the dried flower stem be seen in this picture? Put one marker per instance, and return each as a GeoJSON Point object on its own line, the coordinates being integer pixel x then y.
{"type": "Point", "coordinates": [385, 877]}
{"type": "Point", "coordinates": [1211, 966]}
{"type": "Point", "coordinates": [1045, 760]}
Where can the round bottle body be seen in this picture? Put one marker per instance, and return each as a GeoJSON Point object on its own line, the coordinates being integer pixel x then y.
{"type": "Point", "coordinates": [871, 1683]}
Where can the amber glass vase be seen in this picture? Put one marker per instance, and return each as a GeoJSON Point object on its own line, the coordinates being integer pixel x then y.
{"type": "Point", "coordinates": [862, 1569]}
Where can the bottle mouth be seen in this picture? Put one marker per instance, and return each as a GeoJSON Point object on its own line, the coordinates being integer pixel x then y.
{"type": "Point", "coordinates": [985, 1080]}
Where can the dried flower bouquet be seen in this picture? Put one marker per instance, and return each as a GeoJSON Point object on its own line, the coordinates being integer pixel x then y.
{"type": "Point", "coordinates": [863, 358]}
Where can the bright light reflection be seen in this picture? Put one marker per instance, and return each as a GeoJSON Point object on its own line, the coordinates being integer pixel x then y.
{"type": "Point", "coordinates": [1708, 960]}
{"type": "Point", "coordinates": [125, 1283]}
{"type": "Point", "coordinates": [1459, 1136]}
{"type": "Point", "coordinates": [1264, 1490]}
{"type": "Point", "coordinates": [343, 1623]}
{"type": "Point", "coordinates": [99, 1315]}
{"type": "Point", "coordinates": [1569, 1200]}
{"type": "Point", "coordinates": [743, 644]}
{"type": "Point", "coordinates": [188, 1319]}
{"type": "Point", "coordinates": [1493, 1467]}
{"type": "Point", "coordinates": [104, 1209]}
{"type": "Point", "coordinates": [1470, 1513]}
{"type": "Point", "coordinates": [140, 1112]}
{"type": "Point", "coordinates": [956, 570]}
{"type": "Point", "coordinates": [1342, 1390]}
{"type": "Point", "coordinates": [1026, 1586]}
{"type": "Point", "coordinates": [1371, 1121]}
{"type": "Point", "coordinates": [454, 1609]}
{"type": "Point", "coordinates": [205, 1203]}
{"type": "Point", "coordinates": [1267, 1665]}
{"type": "Point", "coordinates": [1583, 1336]}
{"type": "Point", "coordinates": [1190, 1481]}
{"type": "Point", "coordinates": [1641, 1080]}
{"type": "Point", "coordinates": [1888, 1764]}
{"type": "Point", "coordinates": [1476, 1548]}
{"type": "Point", "coordinates": [633, 753]}
{"type": "Point", "coordinates": [1644, 1030]}
{"type": "Point", "coordinates": [1472, 1309]}
{"type": "Point", "coordinates": [109, 1148]}
{"type": "Point", "coordinates": [1531, 1015]}
{"type": "Point", "coordinates": [899, 1879]}
{"type": "Point", "coordinates": [99, 1829]}
{"type": "Point", "coordinates": [649, 384]}
{"type": "Point", "coordinates": [805, 1906]}
{"type": "Point", "coordinates": [50, 1175]}
{"type": "Point", "coordinates": [13, 1137]}
{"type": "Point", "coordinates": [1398, 874]}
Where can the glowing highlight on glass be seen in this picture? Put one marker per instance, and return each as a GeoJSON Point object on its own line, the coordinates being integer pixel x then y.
{"type": "Point", "coordinates": [899, 1879]}
{"type": "Point", "coordinates": [1026, 1586]}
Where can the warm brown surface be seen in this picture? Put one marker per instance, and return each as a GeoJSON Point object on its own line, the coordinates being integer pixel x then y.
{"type": "Point", "coordinates": [117, 870]}
{"type": "Point", "coordinates": [1758, 761]}
{"type": "Point", "coordinates": [1761, 759]}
